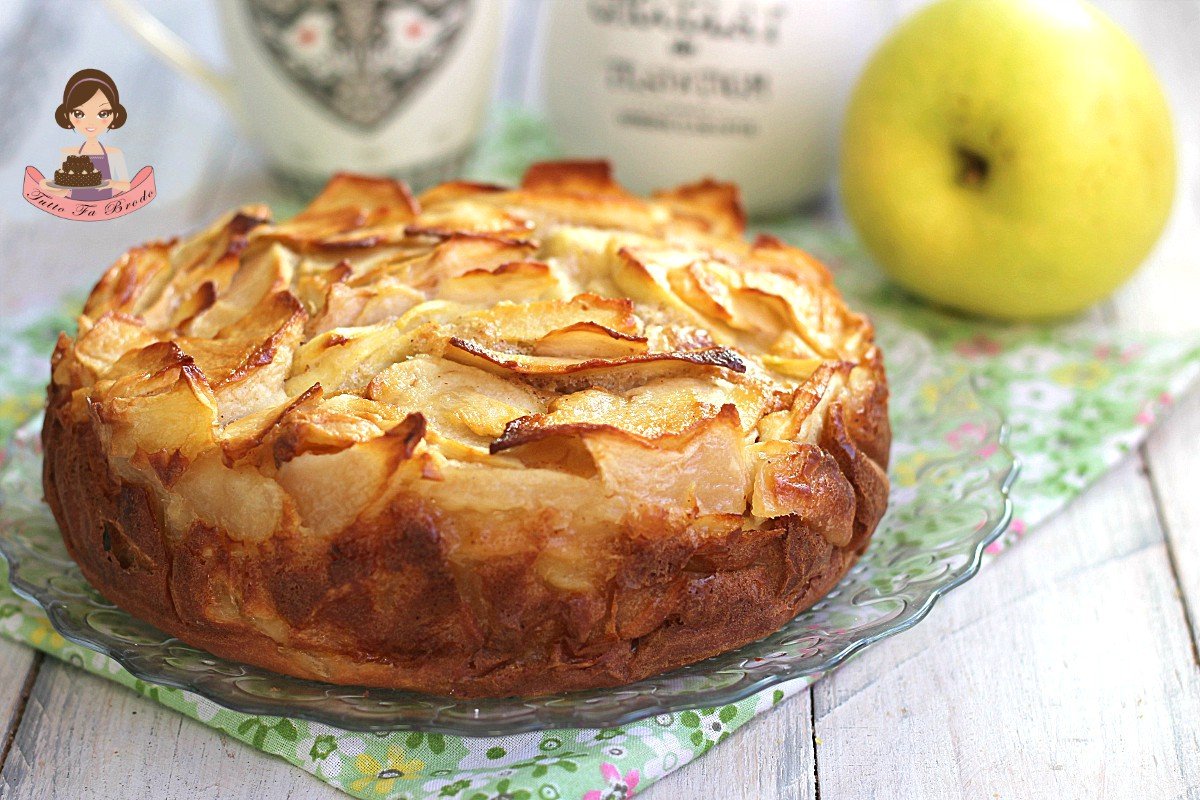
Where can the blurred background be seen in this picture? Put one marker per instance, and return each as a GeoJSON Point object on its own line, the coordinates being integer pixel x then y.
{"type": "Point", "coordinates": [751, 92]}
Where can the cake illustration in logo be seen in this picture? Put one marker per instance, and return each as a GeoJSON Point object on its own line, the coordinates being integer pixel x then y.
{"type": "Point", "coordinates": [93, 182]}
{"type": "Point", "coordinates": [78, 171]}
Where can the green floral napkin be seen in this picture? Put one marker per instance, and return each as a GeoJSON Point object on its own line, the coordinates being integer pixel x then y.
{"type": "Point", "coordinates": [1078, 397]}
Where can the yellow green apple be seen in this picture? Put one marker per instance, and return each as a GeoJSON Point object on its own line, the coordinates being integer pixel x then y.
{"type": "Point", "coordinates": [1011, 158]}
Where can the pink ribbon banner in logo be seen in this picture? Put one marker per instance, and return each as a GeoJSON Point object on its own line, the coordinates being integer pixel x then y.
{"type": "Point", "coordinates": [141, 191]}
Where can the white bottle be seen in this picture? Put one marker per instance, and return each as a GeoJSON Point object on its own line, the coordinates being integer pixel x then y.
{"type": "Point", "coordinates": [750, 91]}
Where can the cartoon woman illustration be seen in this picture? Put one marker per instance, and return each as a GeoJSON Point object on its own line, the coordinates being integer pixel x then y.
{"type": "Point", "coordinates": [91, 105]}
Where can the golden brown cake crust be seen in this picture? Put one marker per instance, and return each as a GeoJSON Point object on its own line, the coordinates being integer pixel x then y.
{"type": "Point", "coordinates": [485, 442]}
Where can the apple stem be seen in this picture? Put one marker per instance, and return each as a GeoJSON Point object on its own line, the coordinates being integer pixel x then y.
{"type": "Point", "coordinates": [973, 168]}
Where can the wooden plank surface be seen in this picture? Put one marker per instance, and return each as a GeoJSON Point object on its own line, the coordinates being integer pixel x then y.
{"type": "Point", "coordinates": [1067, 669]}
{"type": "Point", "coordinates": [771, 757]}
{"type": "Point", "coordinates": [18, 668]}
{"type": "Point", "coordinates": [1171, 455]}
{"type": "Point", "coordinates": [1063, 670]}
{"type": "Point", "coordinates": [85, 738]}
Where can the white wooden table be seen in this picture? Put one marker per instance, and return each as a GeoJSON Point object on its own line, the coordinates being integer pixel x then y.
{"type": "Point", "coordinates": [1068, 668]}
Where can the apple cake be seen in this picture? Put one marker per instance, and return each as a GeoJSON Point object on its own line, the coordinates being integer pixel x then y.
{"type": "Point", "coordinates": [485, 442]}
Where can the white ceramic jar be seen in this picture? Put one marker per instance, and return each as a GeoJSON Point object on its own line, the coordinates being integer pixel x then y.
{"type": "Point", "coordinates": [398, 87]}
{"type": "Point", "coordinates": [750, 91]}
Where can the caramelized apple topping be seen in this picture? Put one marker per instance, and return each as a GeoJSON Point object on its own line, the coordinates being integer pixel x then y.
{"type": "Point", "coordinates": [634, 353]}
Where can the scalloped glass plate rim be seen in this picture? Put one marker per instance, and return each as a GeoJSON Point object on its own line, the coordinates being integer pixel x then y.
{"type": "Point", "coordinates": [479, 717]}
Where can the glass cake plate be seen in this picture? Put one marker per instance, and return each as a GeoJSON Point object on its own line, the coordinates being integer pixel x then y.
{"type": "Point", "coordinates": [951, 472]}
